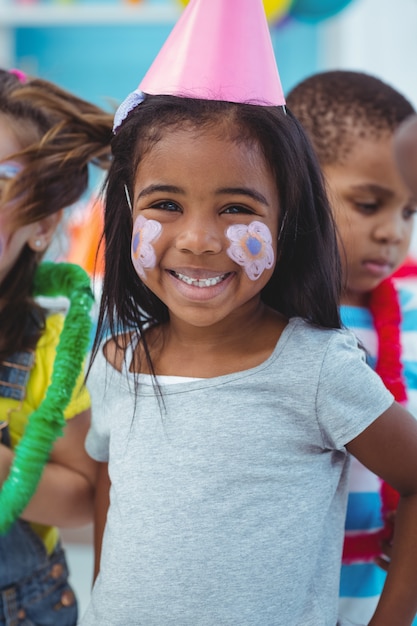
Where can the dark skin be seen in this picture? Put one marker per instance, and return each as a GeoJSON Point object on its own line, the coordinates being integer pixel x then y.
{"type": "Point", "coordinates": [374, 210]}
{"type": "Point", "coordinates": [405, 155]}
{"type": "Point", "coordinates": [211, 185]}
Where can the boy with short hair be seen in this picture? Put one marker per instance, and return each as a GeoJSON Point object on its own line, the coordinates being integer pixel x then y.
{"type": "Point", "coordinates": [351, 118]}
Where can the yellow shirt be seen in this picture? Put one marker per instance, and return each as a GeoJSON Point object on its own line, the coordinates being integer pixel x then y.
{"type": "Point", "coordinates": [18, 412]}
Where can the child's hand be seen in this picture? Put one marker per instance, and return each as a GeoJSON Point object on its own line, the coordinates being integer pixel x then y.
{"type": "Point", "coordinates": [384, 561]}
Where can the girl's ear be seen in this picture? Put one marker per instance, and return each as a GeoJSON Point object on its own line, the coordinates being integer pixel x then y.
{"type": "Point", "coordinates": [43, 231]}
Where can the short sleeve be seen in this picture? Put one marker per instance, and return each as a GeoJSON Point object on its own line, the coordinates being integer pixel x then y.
{"type": "Point", "coordinates": [98, 437]}
{"type": "Point", "coordinates": [350, 394]}
{"type": "Point", "coordinates": [80, 399]}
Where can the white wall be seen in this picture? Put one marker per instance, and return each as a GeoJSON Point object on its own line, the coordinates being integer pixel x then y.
{"type": "Point", "coordinates": [378, 37]}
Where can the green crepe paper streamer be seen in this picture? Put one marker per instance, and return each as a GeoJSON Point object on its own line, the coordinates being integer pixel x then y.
{"type": "Point", "coordinates": [46, 423]}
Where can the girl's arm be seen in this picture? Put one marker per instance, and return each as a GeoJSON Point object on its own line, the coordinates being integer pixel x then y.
{"type": "Point", "coordinates": [6, 458]}
{"type": "Point", "coordinates": [65, 494]}
{"type": "Point", "coordinates": [101, 507]}
{"type": "Point", "coordinates": [389, 448]}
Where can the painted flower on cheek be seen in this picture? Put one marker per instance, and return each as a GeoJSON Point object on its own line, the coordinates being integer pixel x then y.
{"type": "Point", "coordinates": [142, 251]}
{"type": "Point", "coordinates": [251, 247]}
{"type": "Point", "coordinates": [9, 169]}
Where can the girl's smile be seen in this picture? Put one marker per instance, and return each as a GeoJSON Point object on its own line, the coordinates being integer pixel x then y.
{"type": "Point", "coordinates": [200, 285]}
{"type": "Point", "coordinates": [215, 202]}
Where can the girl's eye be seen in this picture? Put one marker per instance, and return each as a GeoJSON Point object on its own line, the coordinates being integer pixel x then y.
{"type": "Point", "coordinates": [237, 209]}
{"type": "Point", "coordinates": [166, 205]}
{"type": "Point", "coordinates": [367, 207]}
{"type": "Point", "coordinates": [409, 212]}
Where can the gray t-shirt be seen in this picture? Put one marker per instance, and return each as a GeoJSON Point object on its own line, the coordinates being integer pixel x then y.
{"type": "Point", "coordinates": [228, 494]}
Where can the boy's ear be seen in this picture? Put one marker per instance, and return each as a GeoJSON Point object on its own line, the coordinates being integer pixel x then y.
{"type": "Point", "coordinates": [43, 231]}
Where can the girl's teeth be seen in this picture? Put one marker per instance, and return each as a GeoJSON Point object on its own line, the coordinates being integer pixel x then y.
{"type": "Point", "coordinates": [200, 282]}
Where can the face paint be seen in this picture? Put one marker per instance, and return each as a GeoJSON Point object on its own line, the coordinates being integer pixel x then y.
{"type": "Point", "coordinates": [251, 247]}
{"type": "Point", "coordinates": [143, 254]}
{"type": "Point", "coordinates": [9, 169]}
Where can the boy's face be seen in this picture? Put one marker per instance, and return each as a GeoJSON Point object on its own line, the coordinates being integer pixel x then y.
{"type": "Point", "coordinates": [374, 213]}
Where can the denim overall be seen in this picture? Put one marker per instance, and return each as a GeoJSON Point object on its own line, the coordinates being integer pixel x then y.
{"type": "Point", "coordinates": [34, 589]}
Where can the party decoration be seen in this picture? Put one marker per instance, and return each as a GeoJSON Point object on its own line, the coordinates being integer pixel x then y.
{"type": "Point", "coordinates": [316, 10]}
{"type": "Point", "coordinates": [275, 10]}
{"type": "Point", "coordinates": [47, 422]}
{"type": "Point", "coordinates": [84, 230]}
{"type": "Point", "coordinates": [218, 50]}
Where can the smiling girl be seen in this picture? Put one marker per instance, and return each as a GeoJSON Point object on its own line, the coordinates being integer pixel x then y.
{"type": "Point", "coordinates": [223, 421]}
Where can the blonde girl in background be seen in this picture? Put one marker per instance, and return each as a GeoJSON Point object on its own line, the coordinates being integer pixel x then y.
{"type": "Point", "coordinates": [48, 138]}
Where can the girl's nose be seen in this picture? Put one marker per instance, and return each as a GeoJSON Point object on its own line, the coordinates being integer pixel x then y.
{"type": "Point", "coordinates": [200, 237]}
{"type": "Point", "coordinates": [391, 230]}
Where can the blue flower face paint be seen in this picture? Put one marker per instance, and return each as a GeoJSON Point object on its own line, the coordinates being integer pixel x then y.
{"type": "Point", "coordinates": [251, 247]}
{"type": "Point", "coordinates": [254, 246]}
{"type": "Point", "coordinates": [9, 169]}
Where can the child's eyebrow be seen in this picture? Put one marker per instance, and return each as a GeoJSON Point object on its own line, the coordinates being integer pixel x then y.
{"type": "Point", "coordinates": [243, 191]}
{"type": "Point", "coordinates": [147, 191]}
{"type": "Point", "coordinates": [376, 189]}
{"type": "Point", "coordinates": [240, 191]}
{"type": "Point", "coordinates": [379, 190]}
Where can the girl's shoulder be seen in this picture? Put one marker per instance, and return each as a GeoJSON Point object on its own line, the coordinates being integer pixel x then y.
{"type": "Point", "coordinates": [117, 351]}
{"type": "Point", "coordinates": [304, 342]}
{"type": "Point", "coordinates": [311, 332]}
{"type": "Point", "coordinates": [107, 371]}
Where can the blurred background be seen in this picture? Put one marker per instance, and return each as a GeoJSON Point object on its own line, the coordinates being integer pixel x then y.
{"type": "Point", "coordinates": [100, 50]}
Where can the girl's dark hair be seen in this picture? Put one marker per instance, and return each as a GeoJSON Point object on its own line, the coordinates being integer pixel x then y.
{"type": "Point", "coordinates": [59, 134]}
{"type": "Point", "coordinates": [306, 279]}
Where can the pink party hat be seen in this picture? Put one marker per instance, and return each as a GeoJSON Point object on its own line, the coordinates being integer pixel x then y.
{"type": "Point", "coordinates": [218, 50]}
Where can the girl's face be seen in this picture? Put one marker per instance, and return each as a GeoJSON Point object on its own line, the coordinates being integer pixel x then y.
{"type": "Point", "coordinates": [12, 239]}
{"type": "Point", "coordinates": [374, 213]}
{"type": "Point", "coordinates": [205, 213]}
